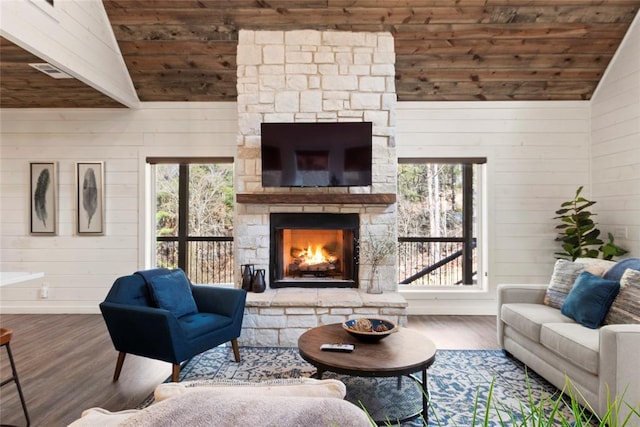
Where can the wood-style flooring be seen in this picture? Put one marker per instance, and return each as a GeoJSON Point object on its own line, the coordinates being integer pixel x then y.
{"type": "Point", "coordinates": [65, 363]}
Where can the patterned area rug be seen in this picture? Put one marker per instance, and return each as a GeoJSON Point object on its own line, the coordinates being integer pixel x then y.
{"type": "Point", "coordinates": [455, 380]}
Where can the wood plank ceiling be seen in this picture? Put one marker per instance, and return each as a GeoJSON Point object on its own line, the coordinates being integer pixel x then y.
{"type": "Point", "coordinates": [22, 86]}
{"type": "Point", "coordinates": [446, 50]}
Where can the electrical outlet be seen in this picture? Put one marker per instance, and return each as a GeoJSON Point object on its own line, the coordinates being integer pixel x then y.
{"type": "Point", "coordinates": [44, 291]}
{"type": "Point", "coordinates": [620, 232]}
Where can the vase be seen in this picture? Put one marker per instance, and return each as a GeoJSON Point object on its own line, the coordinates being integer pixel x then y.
{"type": "Point", "coordinates": [258, 282]}
{"type": "Point", "coordinates": [247, 276]}
{"type": "Point", "coordinates": [374, 283]}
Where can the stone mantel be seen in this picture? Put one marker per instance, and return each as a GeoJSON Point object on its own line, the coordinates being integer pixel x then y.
{"type": "Point", "coordinates": [324, 297]}
{"type": "Point", "coordinates": [317, 198]}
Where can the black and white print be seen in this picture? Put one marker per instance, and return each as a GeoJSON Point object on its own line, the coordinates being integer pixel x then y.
{"type": "Point", "coordinates": [90, 204]}
{"type": "Point", "coordinates": [43, 198]}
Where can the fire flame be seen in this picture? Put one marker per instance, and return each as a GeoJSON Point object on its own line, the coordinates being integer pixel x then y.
{"type": "Point", "coordinates": [314, 256]}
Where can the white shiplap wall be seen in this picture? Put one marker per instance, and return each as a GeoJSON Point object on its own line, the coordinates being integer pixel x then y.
{"type": "Point", "coordinates": [81, 269]}
{"type": "Point", "coordinates": [530, 147]}
{"type": "Point", "coordinates": [615, 145]}
{"type": "Point", "coordinates": [537, 155]}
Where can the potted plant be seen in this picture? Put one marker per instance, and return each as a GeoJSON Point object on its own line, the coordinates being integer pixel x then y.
{"type": "Point", "coordinates": [578, 233]}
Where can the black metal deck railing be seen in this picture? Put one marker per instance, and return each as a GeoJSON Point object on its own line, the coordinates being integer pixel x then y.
{"type": "Point", "coordinates": [428, 261]}
{"type": "Point", "coordinates": [209, 260]}
{"type": "Point", "coordinates": [433, 261]}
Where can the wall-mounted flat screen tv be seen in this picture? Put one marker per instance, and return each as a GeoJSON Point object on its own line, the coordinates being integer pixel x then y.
{"type": "Point", "coordinates": [316, 154]}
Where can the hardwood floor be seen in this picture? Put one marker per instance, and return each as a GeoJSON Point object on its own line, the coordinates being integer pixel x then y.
{"type": "Point", "coordinates": [65, 363]}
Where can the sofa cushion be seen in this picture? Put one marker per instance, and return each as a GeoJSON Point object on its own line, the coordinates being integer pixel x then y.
{"type": "Point", "coordinates": [208, 408]}
{"type": "Point", "coordinates": [309, 387]}
{"type": "Point", "coordinates": [320, 391]}
{"type": "Point", "coordinates": [596, 266]}
{"type": "Point", "coordinates": [573, 342]}
{"type": "Point", "coordinates": [172, 292]}
{"type": "Point", "coordinates": [626, 307]}
{"type": "Point", "coordinates": [564, 275]}
{"type": "Point", "coordinates": [616, 272]}
{"type": "Point", "coordinates": [527, 319]}
{"type": "Point", "coordinates": [590, 299]}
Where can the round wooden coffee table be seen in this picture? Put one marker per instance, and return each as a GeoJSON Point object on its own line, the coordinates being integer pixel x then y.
{"type": "Point", "coordinates": [402, 353]}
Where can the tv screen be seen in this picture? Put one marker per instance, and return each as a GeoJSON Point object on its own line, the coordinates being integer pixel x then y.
{"type": "Point", "coordinates": [316, 154]}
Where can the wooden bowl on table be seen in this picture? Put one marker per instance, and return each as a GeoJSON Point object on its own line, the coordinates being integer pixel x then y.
{"type": "Point", "coordinates": [369, 329]}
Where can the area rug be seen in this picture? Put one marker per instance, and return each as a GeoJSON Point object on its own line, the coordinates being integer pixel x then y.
{"type": "Point", "coordinates": [456, 380]}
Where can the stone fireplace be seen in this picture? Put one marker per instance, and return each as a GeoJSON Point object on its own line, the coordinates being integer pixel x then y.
{"type": "Point", "coordinates": [314, 76]}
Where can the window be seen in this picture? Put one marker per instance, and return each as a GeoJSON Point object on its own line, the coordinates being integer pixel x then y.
{"type": "Point", "coordinates": [194, 217]}
{"type": "Point", "coordinates": [439, 221]}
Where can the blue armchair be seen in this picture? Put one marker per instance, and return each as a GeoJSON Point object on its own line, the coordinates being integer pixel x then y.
{"type": "Point", "coordinates": [159, 314]}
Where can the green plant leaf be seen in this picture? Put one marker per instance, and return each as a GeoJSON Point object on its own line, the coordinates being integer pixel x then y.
{"type": "Point", "coordinates": [591, 253]}
{"type": "Point", "coordinates": [583, 215]}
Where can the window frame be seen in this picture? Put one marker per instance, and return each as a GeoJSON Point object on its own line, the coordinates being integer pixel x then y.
{"type": "Point", "coordinates": [183, 237]}
{"type": "Point", "coordinates": [480, 223]}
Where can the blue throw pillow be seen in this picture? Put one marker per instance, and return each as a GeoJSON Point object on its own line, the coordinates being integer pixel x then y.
{"type": "Point", "coordinates": [590, 299]}
{"type": "Point", "coordinates": [173, 292]}
{"type": "Point", "coordinates": [618, 269]}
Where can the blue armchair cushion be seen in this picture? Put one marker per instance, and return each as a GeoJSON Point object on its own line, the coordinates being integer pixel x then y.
{"type": "Point", "coordinates": [172, 292]}
{"type": "Point", "coordinates": [198, 324]}
{"type": "Point", "coordinates": [590, 299]}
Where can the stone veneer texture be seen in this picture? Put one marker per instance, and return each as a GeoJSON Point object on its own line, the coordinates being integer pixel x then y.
{"type": "Point", "coordinates": [314, 76]}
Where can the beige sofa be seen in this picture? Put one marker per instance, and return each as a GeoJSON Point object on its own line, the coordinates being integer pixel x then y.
{"type": "Point", "coordinates": [296, 402]}
{"type": "Point", "coordinates": [598, 362]}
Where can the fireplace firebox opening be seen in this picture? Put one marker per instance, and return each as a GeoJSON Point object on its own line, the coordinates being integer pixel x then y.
{"type": "Point", "coordinates": [313, 250]}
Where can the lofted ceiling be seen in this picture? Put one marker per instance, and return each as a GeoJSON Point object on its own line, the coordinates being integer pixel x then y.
{"type": "Point", "coordinates": [446, 50]}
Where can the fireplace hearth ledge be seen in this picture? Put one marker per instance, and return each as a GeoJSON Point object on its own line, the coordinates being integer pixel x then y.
{"type": "Point", "coordinates": [277, 317]}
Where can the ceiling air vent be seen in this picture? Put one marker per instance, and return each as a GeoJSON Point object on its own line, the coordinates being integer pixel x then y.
{"type": "Point", "coordinates": [51, 71]}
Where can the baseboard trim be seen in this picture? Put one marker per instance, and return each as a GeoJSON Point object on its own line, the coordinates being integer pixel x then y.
{"type": "Point", "coordinates": [420, 307]}
{"type": "Point", "coordinates": [28, 309]}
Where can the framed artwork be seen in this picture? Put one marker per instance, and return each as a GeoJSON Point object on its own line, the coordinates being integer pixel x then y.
{"type": "Point", "coordinates": [43, 193]}
{"type": "Point", "coordinates": [90, 197]}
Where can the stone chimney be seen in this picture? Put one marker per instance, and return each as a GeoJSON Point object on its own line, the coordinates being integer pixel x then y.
{"type": "Point", "coordinates": [315, 76]}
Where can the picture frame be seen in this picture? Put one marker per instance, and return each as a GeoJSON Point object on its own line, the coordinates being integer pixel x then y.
{"type": "Point", "coordinates": [90, 198]}
{"type": "Point", "coordinates": [43, 193]}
